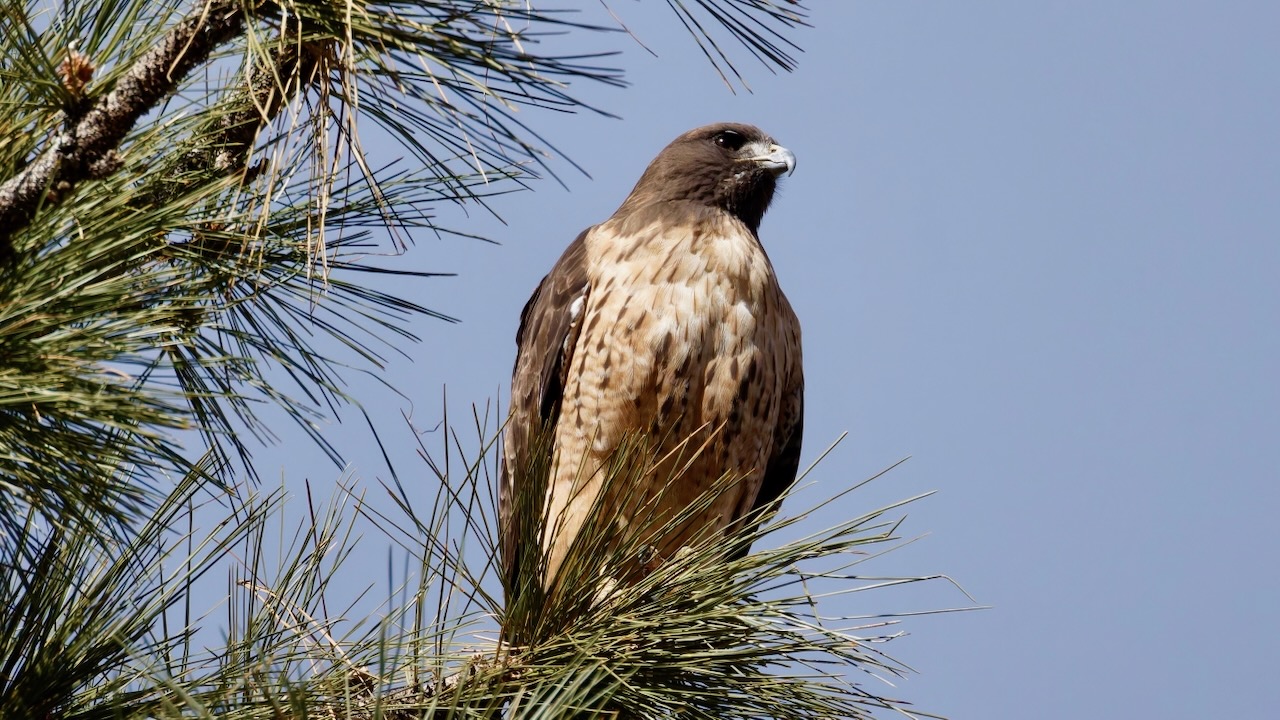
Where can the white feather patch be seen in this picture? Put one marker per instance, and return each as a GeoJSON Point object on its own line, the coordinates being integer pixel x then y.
{"type": "Point", "coordinates": [575, 316]}
{"type": "Point", "coordinates": [575, 308]}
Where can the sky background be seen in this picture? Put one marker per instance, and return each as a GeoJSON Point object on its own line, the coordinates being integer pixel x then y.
{"type": "Point", "coordinates": [1035, 247]}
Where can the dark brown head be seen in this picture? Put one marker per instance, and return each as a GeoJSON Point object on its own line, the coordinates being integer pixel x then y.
{"type": "Point", "coordinates": [729, 166]}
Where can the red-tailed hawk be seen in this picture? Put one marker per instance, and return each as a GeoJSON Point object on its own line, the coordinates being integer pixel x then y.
{"type": "Point", "coordinates": [665, 321]}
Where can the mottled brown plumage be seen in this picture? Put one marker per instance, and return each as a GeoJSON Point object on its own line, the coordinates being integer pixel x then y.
{"type": "Point", "coordinates": [665, 321]}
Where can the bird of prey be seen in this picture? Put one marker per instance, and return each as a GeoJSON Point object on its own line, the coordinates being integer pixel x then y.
{"type": "Point", "coordinates": [665, 321]}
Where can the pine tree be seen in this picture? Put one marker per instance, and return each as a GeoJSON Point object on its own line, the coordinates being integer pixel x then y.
{"type": "Point", "coordinates": [186, 211]}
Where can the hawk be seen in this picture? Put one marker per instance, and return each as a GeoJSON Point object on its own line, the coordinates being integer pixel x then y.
{"type": "Point", "coordinates": [665, 322]}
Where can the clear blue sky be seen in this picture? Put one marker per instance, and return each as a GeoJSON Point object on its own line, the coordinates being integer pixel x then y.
{"type": "Point", "coordinates": [1036, 246]}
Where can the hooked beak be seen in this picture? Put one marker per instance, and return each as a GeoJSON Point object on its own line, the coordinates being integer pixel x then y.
{"type": "Point", "coordinates": [774, 158]}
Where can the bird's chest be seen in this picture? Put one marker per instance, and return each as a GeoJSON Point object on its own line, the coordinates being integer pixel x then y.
{"type": "Point", "coordinates": [675, 333]}
{"type": "Point", "coordinates": [687, 301]}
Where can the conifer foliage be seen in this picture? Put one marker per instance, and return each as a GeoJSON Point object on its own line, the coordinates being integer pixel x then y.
{"type": "Point", "coordinates": [188, 215]}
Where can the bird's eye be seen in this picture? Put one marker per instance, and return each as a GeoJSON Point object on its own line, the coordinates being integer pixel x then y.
{"type": "Point", "coordinates": [729, 140]}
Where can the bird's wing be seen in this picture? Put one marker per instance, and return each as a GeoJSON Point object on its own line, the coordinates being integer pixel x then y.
{"type": "Point", "coordinates": [784, 461]}
{"type": "Point", "coordinates": [549, 325]}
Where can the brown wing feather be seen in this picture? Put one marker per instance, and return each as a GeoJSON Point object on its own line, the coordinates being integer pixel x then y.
{"type": "Point", "coordinates": [782, 467]}
{"type": "Point", "coordinates": [544, 347]}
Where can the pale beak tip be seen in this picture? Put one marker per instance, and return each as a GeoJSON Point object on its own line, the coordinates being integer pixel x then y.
{"type": "Point", "coordinates": [782, 159]}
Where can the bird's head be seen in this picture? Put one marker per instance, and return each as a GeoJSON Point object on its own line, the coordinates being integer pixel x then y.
{"type": "Point", "coordinates": [729, 166]}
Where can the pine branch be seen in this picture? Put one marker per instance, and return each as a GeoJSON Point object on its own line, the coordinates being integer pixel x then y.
{"type": "Point", "coordinates": [85, 147]}
{"type": "Point", "coordinates": [101, 631]}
